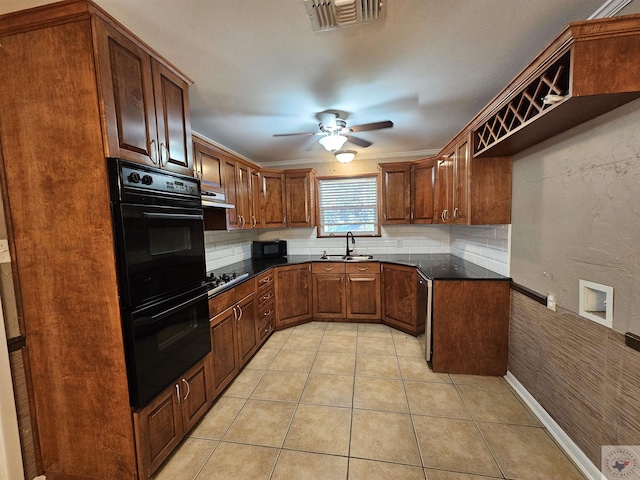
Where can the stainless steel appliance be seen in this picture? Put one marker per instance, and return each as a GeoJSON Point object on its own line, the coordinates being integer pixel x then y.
{"type": "Point", "coordinates": [269, 249]}
{"type": "Point", "coordinates": [426, 284]}
{"type": "Point", "coordinates": [159, 232]}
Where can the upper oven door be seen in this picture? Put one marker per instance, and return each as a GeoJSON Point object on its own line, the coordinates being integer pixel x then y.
{"type": "Point", "coordinates": [161, 251]}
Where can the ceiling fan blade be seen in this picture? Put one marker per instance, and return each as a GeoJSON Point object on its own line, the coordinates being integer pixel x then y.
{"type": "Point", "coordinates": [293, 134]}
{"type": "Point", "coordinates": [371, 126]}
{"type": "Point", "coordinates": [358, 141]}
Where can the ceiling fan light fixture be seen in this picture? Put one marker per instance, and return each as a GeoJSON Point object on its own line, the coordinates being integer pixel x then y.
{"type": "Point", "coordinates": [345, 156]}
{"type": "Point", "coordinates": [333, 142]}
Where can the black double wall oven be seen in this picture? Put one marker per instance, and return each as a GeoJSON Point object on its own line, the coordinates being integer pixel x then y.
{"type": "Point", "coordinates": [159, 233]}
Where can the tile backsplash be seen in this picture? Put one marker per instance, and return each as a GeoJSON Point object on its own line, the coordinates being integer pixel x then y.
{"type": "Point", "coordinates": [487, 245]}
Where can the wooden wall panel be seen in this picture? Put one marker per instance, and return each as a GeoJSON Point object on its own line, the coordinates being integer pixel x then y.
{"type": "Point", "coordinates": [581, 373]}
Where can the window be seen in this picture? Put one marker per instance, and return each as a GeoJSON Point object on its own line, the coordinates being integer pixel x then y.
{"type": "Point", "coordinates": [348, 204]}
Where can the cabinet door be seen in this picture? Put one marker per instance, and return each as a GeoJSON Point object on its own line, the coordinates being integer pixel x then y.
{"type": "Point", "coordinates": [243, 199]}
{"type": "Point", "coordinates": [300, 199]}
{"type": "Point", "coordinates": [462, 183]}
{"type": "Point", "coordinates": [158, 430]}
{"type": "Point", "coordinates": [293, 294]}
{"type": "Point", "coordinates": [396, 188]}
{"type": "Point", "coordinates": [246, 325]}
{"type": "Point", "coordinates": [208, 167]}
{"type": "Point", "coordinates": [422, 188]}
{"type": "Point", "coordinates": [230, 182]}
{"type": "Point", "coordinates": [363, 296]}
{"type": "Point", "coordinates": [196, 392]}
{"type": "Point", "coordinates": [273, 205]}
{"type": "Point", "coordinates": [444, 190]}
{"type": "Point", "coordinates": [399, 297]}
{"type": "Point", "coordinates": [174, 122]}
{"type": "Point", "coordinates": [126, 89]}
{"type": "Point", "coordinates": [256, 210]}
{"type": "Point", "coordinates": [224, 347]}
{"type": "Point", "coordinates": [329, 296]}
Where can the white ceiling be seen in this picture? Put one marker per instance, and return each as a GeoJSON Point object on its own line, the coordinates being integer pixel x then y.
{"type": "Point", "coordinates": [259, 68]}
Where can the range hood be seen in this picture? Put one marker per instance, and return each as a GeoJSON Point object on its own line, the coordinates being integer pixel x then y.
{"type": "Point", "coordinates": [215, 199]}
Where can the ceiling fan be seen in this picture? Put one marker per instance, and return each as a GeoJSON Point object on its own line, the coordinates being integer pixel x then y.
{"type": "Point", "coordinates": [335, 132]}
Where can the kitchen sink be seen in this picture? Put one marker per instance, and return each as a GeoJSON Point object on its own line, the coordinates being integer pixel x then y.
{"type": "Point", "coordinates": [349, 258]}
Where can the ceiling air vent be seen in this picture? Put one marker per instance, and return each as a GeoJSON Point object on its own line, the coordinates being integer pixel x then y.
{"type": "Point", "coordinates": [328, 14]}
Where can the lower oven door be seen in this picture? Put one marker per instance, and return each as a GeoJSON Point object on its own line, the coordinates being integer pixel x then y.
{"type": "Point", "coordinates": [160, 250]}
{"type": "Point", "coordinates": [163, 341]}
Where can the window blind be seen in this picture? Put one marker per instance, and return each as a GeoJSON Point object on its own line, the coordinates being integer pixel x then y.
{"type": "Point", "coordinates": [348, 204]}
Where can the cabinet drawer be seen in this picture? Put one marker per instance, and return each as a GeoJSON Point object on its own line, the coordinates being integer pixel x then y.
{"type": "Point", "coordinates": [265, 296]}
{"type": "Point", "coordinates": [245, 289]}
{"type": "Point", "coordinates": [264, 280]}
{"type": "Point", "coordinates": [327, 267]}
{"type": "Point", "coordinates": [266, 311]}
{"type": "Point", "coordinates": [221, 302]}
{"type": "Point", "coordinates": [365, 267]}
{"type": "Point", "coordinates": [265, 329]}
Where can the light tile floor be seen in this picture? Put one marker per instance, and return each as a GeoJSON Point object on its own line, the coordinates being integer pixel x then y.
{"type": "Point", "coordinates": [331, 401]}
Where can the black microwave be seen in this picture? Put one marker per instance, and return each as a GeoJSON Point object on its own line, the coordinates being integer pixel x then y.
{"type": "Point", "coordinates": [270, 249]}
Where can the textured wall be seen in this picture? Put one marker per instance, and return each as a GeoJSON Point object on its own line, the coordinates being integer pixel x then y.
{"type": "Point", "coordinates": [581, 373]}
{"type": "Point", "coordinates": [576, 213]}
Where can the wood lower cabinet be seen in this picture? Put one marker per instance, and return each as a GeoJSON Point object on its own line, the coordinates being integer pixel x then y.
{"type": "Point", "coordinates": [293, 290]}
{"type": "Point", "coordinates": [224, 345]}
{"type": "Point", "coordinates": [246, 325]}
{"type": "Point", "coordinates": [471, 326]}
{"type": "Point", "coordinates": [266, 305]}
{"type": "Point", "coordinates": [163, 423]}
{"type": "Point", "coordinates": [404, 304]}
{"type": "Point", "coordinates": [363, 291]}
{"type": "Point", "coordinates": [329, 299]}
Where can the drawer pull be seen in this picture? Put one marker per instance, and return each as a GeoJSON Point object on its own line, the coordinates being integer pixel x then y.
{"type": "Point", "coordinates": [267, 296]}
{"type": "Point", "coordinates": [268, 329]}
{"type": "Point", "coordinates": [327, 269]}
{"type": "Point", "coordinates": [266, 280]}
{"type": "Point", "coordinates": [363, 269]}
{"type": "Point", "coordinates": [267, 313]}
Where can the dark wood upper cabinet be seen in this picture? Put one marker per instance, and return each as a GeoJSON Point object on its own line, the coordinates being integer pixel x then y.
{"type": "Point", "coordinates": [272, 199]}
{"type": "Point", "coordinates": [230, 180]}
{"type": "Point", "coordinates": [146, 105]}
{"type": "Point", "coordinates": [423, 175]}
{"type": "Point", "coordinates": [300, 192]}
{"type": "Point", "coordinates": [395, 192]}
{"type": "Point", "coordinates": [207, 165]}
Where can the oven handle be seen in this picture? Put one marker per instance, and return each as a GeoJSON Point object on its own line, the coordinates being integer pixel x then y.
{"type": "Point", "coordinates": [173, 216]}
{"type": "Point", "coordinates": [159, 316]}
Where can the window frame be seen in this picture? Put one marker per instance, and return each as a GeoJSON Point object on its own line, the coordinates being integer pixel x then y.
{"type": "Point", "coordinates": [319, 233]}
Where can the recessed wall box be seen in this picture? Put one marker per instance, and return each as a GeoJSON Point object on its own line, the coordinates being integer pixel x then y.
{"type": "Point", "coordinates": [596, 302]}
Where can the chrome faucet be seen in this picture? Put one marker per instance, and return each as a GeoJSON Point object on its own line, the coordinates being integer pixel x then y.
{"type": "Point", "coordinates": [353, 242]}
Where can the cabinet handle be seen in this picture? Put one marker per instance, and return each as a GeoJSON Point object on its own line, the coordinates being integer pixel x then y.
{"type": "Point", "coordinates": [266, 280]}
{"type": "Point", "coordinates": [235, 315]}
{"type": "Point", "coordinates": [153, 152]}
{"type": "Point", "coordinates": [178, 394]}
{"type": "Point", "coordinates": [412, 216]}
{"type": "Point", "coordinates": [242, 222]}
{"type": "Point", "coordinates": [240, 310]}
{"type": "Point", "coordinates": [327, 269]}
{"type": "Point", "coordinates": [164, 149]}
{"type": "Point", "coordinates": [267, 313]}
{"type": "Point", "coordinates": [268, 329]}
{"type": "Point", "coordinates": [384, 215]}
{"type": "Point", "coordinates": [308, 218]}
{"type": "Point", "coordinates": [455, 213]}
{"type": "Point", "coordinates": [188, 389]}
{"type": "Point", "coordinates": [444, 216]}
{"type": "Point", "coordinates": [363, 269]}
{"type": "Point", "coordinates": [255, 222]}
{"type": "Point", "coordinates": [267, 296]}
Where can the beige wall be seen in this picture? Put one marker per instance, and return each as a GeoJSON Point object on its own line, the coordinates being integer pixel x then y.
{"type": "Point", "coordinates": [576, 213]}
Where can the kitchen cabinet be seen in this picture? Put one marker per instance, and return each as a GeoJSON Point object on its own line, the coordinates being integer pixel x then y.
{"type": "Point", "coordinates": [272, 203]}
{"type": "Point", "coordinates": [256, 200]}
{"type": "Point", "coordinates": [423, 176]}
{"type": "Point", "coordinates": [471, 326]}
{"type": "Point", "coordinates": [329, 299]}
{"type": "Point", "coordinates": [294, 295]}
{"type": "Point", "coordinates": [233, 326]}
{"type": "Point", "coordinates": [395, 189]}
{"type": "Point", "coordinates": [237, 178]}
{"type": "Point", "coordinates": [165, 421]}
{"type": "Point", "coordinates": [472, 191]}
{"type": "Point", "coordinates": [207, 164]}
{"type": "Point", "coordinates": [81, 88]}
{"type": "Point", "coordinates": [300, 195]}
{"type": "Point", "coordinates": [145, 103]}
{"type": "Point", "coordinates": [266, 305]}
{"type": "Point", "coordinates": [363, 291]}
{"type": "Point", "coordinates": [404, 304]}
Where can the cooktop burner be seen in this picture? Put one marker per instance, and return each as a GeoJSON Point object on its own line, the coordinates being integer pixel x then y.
{"type": "Point", "coordinates": [219, 282]}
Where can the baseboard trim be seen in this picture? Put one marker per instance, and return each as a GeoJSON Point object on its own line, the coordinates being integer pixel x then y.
{"type": "Point", "coordinates": [585, 465]}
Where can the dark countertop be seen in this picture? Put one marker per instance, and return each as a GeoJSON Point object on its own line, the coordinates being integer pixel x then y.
{"type": "Point", "coordinates": [434, 266]}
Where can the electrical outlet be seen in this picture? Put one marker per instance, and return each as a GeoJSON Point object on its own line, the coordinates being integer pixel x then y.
{"type": "Point", "coordinates": [551, 301]}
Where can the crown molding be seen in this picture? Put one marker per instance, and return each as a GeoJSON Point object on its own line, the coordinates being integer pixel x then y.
{"type": "Point", "coordinates": [359, 157]}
